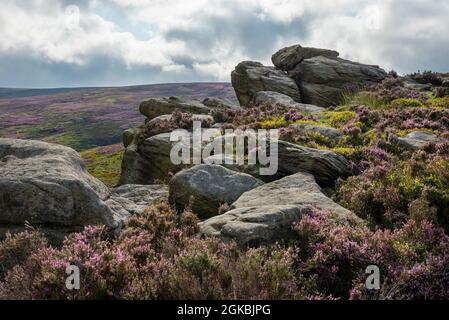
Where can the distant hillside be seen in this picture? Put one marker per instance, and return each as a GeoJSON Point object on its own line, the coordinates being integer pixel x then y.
{"type": "Point", "coordinates": [84, 118]}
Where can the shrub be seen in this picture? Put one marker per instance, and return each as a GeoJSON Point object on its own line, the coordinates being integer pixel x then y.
{"type": "Point", "coordinates": [386, 187]}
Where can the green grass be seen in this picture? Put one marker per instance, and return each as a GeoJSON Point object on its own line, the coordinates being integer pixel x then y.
{"type": "Point", "coordinates": [104, 163]}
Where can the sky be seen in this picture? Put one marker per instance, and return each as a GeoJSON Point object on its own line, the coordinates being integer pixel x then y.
{"type": "Point", "coordinates": [72, 43]}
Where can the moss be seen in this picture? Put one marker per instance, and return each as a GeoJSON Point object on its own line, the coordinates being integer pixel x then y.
{"type": "Point", "coordinates": [275, 123]}
{"type": "Point", "coordinates": [440, 103]}
{"type": "Point", "coordinates": [337, 119]}
{"type": "Point", "coordinates": [347, 152]}
{"type": "Point", "coordinates": [407, 103]}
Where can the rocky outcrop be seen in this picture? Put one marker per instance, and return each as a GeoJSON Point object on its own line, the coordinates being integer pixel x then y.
{"type": "Point", "coordinates": [250, 77]}
{"type": "Point", "coordinates": [155, 107]}
{"type": "Point", "coordinates": [206, 187]}
{"type": "Point", "coordinates": [323, 80]}
{"type": "Point", "coordinates": [288, 58]}
{"type": "Point", "coordinates": [271, 97]}
{"type": "Point", "coordinates": [266, 214]}
{"type": "Point", "coordinates": [419, 139]}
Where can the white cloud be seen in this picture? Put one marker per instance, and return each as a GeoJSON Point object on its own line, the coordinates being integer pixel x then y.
{"type": "Point", "coordinates": [205, 39]}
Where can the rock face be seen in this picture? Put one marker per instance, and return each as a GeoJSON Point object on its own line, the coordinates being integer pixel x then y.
{"type": "Point", "coordinates": [272, 97]}
{"type": "Point", "coordinates": [265, 214]}
{"type": "Point", "coordinates": [418, 139]}
{"type": "Point", "coordinates": [323, 80]}
{"type": "Point", "coordinates": [288, 58]}
{"type": "Point", "coordinates": [206, 187]}
{"type": "Point", "coordinates": [250, 77]}
{"type": "Point", "coordinates": [153, 108]}
{"type": "Point", "coordinates": [324, 165]}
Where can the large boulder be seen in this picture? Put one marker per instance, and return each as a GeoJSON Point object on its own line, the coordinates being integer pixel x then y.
{"type": "Point", "coordinates": [266, 214]}
{"type": "Point", "coordinates": [155, 107]}
{"type": "Point", "coordinates": [326, 166]}
{"type": "Point", "coordinates": [271, 97]}
{"type": "Point", "coordinates": [206, 187]}
{"type": "Point", "coordinates": [250, 77]}
{"type": "Point", "coordinates": [288, 58]}
{"type": "Point", "coordinates": [323, 80]}
{"type": "Point", "coordinates": [44, 183]}
{"type": "Point", "coordinates": [419, 139]}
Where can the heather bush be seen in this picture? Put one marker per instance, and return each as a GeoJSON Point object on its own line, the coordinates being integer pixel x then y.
{"type": "Point", "coordinates": [389, 190]}
{"type": "Point", "coordinates": [413, 260]}
{"type": "Point", "coordinates": [157, 256]}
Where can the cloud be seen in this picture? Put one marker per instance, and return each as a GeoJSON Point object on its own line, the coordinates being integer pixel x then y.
{"type": "Point", "coordinates": [122, 42]}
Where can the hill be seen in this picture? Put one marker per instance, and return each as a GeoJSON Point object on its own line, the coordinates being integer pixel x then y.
{"type": "Point", "coordinates": [84, 118]}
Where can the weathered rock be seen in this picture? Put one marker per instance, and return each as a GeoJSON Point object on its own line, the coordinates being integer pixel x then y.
{"type": "Point", "coordinates": [45, 183]}
{"type": "Point", "coordinates": [323, 80]}
{"type": "Point", "coordinates": [266, 214]}
{"type": "Point", "coordinates": [206, 187]}
{"type": "Point", "coordinates": [254, 226]}
{"type": "Point", "coordinates": [128, 136]}
{"type": "Point", "coordinates": [287, 58]}
{"type": "Point", "coordinates": [325, 166]}
{"type": "Point", "coordinates": [155, 107]}
{"type": "Point", "coordinates": [134, 199]}
{"type": "Point", "coordinates": [218, 103]}
{"type": "Point", "coordinates": [334, 135]}
{"type": "Point", "coordinates": [150, 161]}
{"type": "Point", "coordinates": [418, 139]}
{"type": "Point", "coordinates": [250, 77]}
{"type": "Point", "coordinates": [136, 168]}
{"type": "Point", "coordinates": [272, 97]}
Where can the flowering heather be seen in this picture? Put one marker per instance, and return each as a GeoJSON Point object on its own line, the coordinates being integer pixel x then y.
{"type": "Point", "coordinates": [158, 256]}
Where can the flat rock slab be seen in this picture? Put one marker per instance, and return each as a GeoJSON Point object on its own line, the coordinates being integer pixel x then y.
{"type": "Point", "coordinates": [418, 139]}
{"type": "Point", "coordinates": [206, 187]}
{"type": "Point", "coordinates": [266, 214]}
{"type": "Point", "coordinates": [288, 58]}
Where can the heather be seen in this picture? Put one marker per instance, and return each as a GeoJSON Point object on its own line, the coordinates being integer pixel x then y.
{"type": "Point", "coordinates": [158, 255]}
